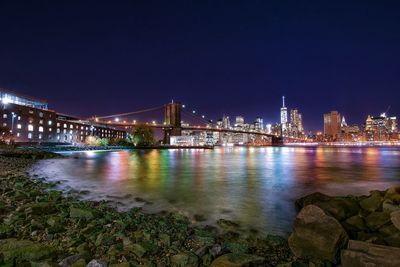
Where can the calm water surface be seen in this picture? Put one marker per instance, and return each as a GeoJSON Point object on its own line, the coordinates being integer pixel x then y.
{"type": "Point", "coordinates": [254, 186]}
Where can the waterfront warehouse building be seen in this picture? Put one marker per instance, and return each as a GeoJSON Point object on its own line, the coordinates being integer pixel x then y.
{"type": "Point", "coordinates": [30, 121]}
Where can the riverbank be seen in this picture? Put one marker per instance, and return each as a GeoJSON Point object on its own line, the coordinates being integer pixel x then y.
{"type": "Point", "coordinates": [41, 227]}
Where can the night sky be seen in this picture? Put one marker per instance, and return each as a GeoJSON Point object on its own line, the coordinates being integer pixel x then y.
{"type": "Point", "coordinates": [233, 57]}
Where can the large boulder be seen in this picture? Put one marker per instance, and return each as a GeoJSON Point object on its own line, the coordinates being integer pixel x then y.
{"type": "Point", "coordinates": [361, 254]}
{"type": "Point", "coordinates": [393, 194]}
{"type": "Point", "coordinates": [377, 219]}
{"type": "Point", "coordinates": [237, 260]}
{"type": "Point", "coordinates": [339, 207]}
{"type": "Point", "coordinates": [317, 236]}
{"type": "Point", "coordinates": [373, 202]}
{"type": "Point", "coordinates": [395, 218]}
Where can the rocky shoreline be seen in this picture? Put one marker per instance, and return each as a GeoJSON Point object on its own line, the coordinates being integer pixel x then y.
{"type": "Point", "coordinates": [39, 226]}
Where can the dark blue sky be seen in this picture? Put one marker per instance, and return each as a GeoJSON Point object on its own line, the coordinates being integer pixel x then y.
{"type": "Point", "coordinates": [233, 57]}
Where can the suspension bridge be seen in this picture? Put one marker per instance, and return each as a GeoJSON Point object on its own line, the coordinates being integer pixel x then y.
{"type": "Point", "coordinates": [175, 120]}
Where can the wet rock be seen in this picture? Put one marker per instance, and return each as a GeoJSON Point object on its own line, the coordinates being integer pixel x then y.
{"type": "Point", "coordinates": [41, 208]}
{"type": "Point", "coordinates": [393, 240]}
{"type": "Point", "coordinates": [184, 259]}
{"type": "Point", "coordinates": [395, 218]}
{"type": "Point", "coordinates": [317, 236]}
{"type": "Point", "coordinates": [372, 203]}
{"type": "Point", "coordinates": [377, 219]}
{"type": "Point", "coordinates": [389, 206]}
{"type": "Point", "coordinates": [237, 260]}
{"type": "Point", "coordinates": [393, 194]}
{"type": "Point", "coordinates": [354, 224]}
{"type": "Point", "coordinates": [13, 249]}
{"type": "Point", "coordinates": [311, 199]}
{"type": "Point", "coordinates": [80, 213]}
{"type": "Point", "coordinates": [227, 225]}
{"type": "Point", "coordinates": [215, 250]}
{"type": "Point", "coordinates": [79, 263]}
{"type": "Point", "coordinates": [97, 263]}
{"type": "Point", "coordinates": [236, 247]}
{"type": "Point", "coordinates": [361, 254]}
{"type": "Point", "coordinates": [388, 230]}
{"type": "Point", "coordinates": [338, 207]}
{"type": "Point", "coordinates": [69, 260]}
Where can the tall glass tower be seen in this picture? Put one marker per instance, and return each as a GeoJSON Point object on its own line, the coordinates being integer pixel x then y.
{"type": "Point", "coordinates": [284, 116]}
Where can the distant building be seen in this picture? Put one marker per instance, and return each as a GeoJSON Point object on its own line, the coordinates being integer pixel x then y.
{"type": "Point", "coordinates": [332, 125]}
{"type": "Point", "coordinates": [284, 117]}
{"type": "Point", "coordinates": [239, 122]}
{"type": "Point", "coordinates": [296, 124]}
{"type": "Point", "coordinates": [381, 128]}
{"type": "Point", "coordinates": [226, 123]}
{"type": "Point", "coordinates": [30, 121]}
{"type": "Point", "coordinates": [349, 133]}
{"type": "Point", "coordinates": [259, 124]}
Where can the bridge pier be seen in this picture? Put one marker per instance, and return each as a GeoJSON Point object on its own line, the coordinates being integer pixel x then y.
{"type": "Point", "coordinates": [172, 118]}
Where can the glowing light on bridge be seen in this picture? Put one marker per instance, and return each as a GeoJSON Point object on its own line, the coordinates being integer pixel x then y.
{"type": "Point", "coordinates": [116, 119]}
{"type": "Point", "coordinates": [194, 111]}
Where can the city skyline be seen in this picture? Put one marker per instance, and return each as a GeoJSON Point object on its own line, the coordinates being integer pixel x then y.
{"type": "Point", "coordinates": [221, 57]}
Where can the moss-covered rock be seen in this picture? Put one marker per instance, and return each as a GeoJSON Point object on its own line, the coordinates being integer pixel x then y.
{"type": "Point", "coordinates": [19, 250]}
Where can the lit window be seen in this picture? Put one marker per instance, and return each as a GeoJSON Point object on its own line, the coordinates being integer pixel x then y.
{"type": "Point", "coordinates": [58, 124]}
{"type": "Point", "coordinates": [70, 131]}
{"type": "Point", "coordinates": [65, 131]}
{"type": "Point", "coordinates": [30, 127]}
{"type": "Point", "coordinates": [41, 129]}
{"type": "Point", "coordinates": [18, 134]}
{"type": "Point", "coordinates": [50, 129]}
{"type": "Point", "coordinates": [58, 130]}
{"type": "Point", "coordinates": [19, 126]}
{"type": "Point", "coordinates": [30, 111]}
{"type": "Point", "coordinates": [4, 124]}
{"type": "Point", "coordinates": [71, 126]}
{"type": "Point", "coordinates": [41, 114]}
{"type": "Point", "coordinates": [65, 125]}
{"type": "Point", "coordinates": [41, 122]}
{"type": "Point", "coordinates": [40, 136]}
{"type": "Point", "coordinates": [29, 135]}
{"type": "Point", "coordinates": [4, 116]}
{"type": "Point", "coordinates": [19, 118]}
{"type": "Point", "coordinates": [50, 122]}
{"type": "Point", "coordinates": [58, 137]}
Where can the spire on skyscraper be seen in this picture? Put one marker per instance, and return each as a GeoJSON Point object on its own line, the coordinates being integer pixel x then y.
{"type": "Point", "coordinates": [283, 101]}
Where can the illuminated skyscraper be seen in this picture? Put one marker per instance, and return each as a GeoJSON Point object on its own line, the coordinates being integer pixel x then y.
{"type": "Point", "coordinates": [284, 116]}
{"type": "Point", "coordinates": [332, 122]}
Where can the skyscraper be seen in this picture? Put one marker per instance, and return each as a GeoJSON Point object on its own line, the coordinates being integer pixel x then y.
{"type": "Point", "coordinates": [296, 123]}
{"type": "Point", "coordinates": [332, 122]}
{"type": "Point", "coordinates": [284, 117]}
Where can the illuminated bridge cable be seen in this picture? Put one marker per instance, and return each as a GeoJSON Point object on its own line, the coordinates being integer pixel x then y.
{"type": "Point", "coordinates": [129, 113]}
{"type": "Point", "coordinates": [199, 119]}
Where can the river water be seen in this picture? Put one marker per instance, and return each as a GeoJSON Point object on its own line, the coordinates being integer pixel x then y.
{"type": "Point", "coordinates": [256, 187]}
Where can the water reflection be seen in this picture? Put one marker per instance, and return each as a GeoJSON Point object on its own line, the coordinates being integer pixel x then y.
{"type": "Point", "coordinates": [256, 186]}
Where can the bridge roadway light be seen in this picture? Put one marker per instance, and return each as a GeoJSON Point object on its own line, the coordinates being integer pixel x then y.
{"type": "Point", "coordinates": [194, 111]}
{"type": "Point", "coordinates": [117, 119]}
{"type": "Point", "coordinates": [134, 121]}
{"type": "Point", "coordinates": [154, 122]}
{"type": "Point", "coordinates": [203, 116]}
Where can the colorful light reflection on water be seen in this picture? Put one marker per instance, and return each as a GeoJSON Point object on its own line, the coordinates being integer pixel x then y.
{"type": "Point", "coordinates": [255, 186]}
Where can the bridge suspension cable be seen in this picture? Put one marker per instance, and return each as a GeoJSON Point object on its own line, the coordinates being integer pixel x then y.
{"type": "Point", "coordinates": [129, 113]}
{"type": "Point", "coordinates": [199, 119]}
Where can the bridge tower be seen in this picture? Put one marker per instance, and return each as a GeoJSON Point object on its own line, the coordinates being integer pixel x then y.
{"type": "Point", "coordinates": [172, 119]}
